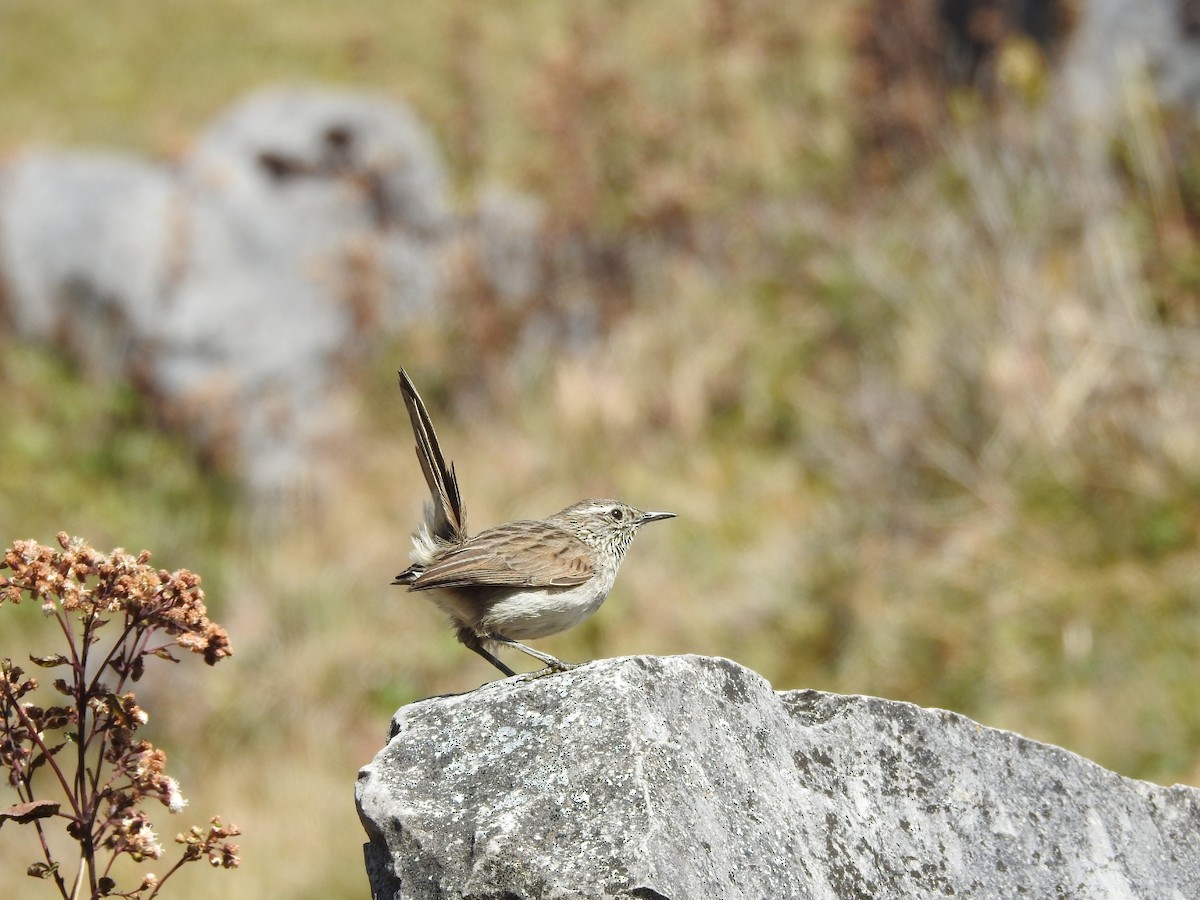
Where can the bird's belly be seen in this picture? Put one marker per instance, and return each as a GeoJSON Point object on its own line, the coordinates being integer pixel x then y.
{"type": "Point", "coordinates": [538, 612]}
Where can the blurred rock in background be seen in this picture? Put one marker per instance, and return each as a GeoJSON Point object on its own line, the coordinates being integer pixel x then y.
{"type": "Point", "coordinates": [1115, 39]}
{"type": "Point", "coordinates": [86, 248]}
{"type": "Point", "coordinates": [303, 223]}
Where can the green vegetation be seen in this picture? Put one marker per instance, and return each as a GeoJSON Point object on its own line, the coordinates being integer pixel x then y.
{"type": "Point", "coordinates": [930, 436]}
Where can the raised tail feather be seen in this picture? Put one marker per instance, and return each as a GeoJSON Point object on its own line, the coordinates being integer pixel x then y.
{"type": "Point", "coordinates": [445, 518]}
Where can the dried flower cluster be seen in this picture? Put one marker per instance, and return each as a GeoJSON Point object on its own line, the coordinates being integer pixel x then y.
{"type": "Point", "coordinates": [86, 741]}
{"type": "Point", "coordinates": [151, 599]}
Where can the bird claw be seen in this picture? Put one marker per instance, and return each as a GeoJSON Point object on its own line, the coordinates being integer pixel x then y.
{"type": "Point", "coordinates": [551, 669]}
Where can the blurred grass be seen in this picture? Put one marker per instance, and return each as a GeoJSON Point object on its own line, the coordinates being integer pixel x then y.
{"type": "Point", "coordinates": [933, 439]}
{"type": "Point", "coordinates": [144, 76]}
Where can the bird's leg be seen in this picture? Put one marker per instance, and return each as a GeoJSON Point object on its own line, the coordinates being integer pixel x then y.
{"type": "Point", "coordinates": [471, 640]}
{"type": "Point", "coordinates": [552, 661]}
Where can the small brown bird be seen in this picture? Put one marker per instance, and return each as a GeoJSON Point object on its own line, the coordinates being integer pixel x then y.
{"type": "Point", "coordinates": [522, 580]}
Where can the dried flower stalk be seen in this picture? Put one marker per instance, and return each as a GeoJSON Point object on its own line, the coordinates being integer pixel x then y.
{"type": "Point", "coordinates": [113, 612]}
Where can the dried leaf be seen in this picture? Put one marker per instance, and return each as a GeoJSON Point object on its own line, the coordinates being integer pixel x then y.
{"type": "Point", "coordinates": [41, 758]}
{"type": "Point", "coordinates": [57, 717]}
{"type": "Point", "coordinates": [27, 812]}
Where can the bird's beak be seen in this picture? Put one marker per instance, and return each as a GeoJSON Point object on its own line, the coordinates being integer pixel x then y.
{"type": "Point", "coordinates": [654, 517]}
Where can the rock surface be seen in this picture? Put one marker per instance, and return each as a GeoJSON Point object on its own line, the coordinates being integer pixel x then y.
{"type": "Point", "coordinates": [689, 777]}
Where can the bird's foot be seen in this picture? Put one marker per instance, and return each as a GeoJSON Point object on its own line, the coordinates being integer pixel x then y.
{"type": "Point", "coordinates": [560, 666]}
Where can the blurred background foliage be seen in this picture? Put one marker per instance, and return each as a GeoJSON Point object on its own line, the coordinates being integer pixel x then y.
{"type": "Point", "coordinates": [926, 406]}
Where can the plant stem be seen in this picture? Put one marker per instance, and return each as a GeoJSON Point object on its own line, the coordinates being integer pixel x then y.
{"type": "Point", "coordinates": [85, 800]}
{"type": "Point", "coordinates": [130, 625]}
{"type": "Point", "coordinates": [58, 880]}
{"type": "Point", "coordinates": [41, 744]}
{"type": "Point", "coordinates": [163, 880]}
{"type": "Point", "coordinates": [84, 869]}
{"type": "Point", "coordinates": [21, 778]}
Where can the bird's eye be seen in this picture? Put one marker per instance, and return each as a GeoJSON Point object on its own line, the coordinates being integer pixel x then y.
{"type": "Point", "coordinates": [617, 515]}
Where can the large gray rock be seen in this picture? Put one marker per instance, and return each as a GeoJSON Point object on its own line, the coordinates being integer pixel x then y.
{"type": "Point", "coordinates": [238, 284]}
{"type": "Point", "coordinates": [689, 777]}
{"type": "Point", "coordinates": [314, 218]}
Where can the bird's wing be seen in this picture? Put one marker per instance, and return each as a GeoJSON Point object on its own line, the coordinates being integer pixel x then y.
{"type": "Point", "coordinates": [519, 554]}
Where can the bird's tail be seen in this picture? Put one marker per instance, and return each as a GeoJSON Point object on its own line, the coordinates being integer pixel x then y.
{"type": "Point", "coordinates": [445, 519]}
